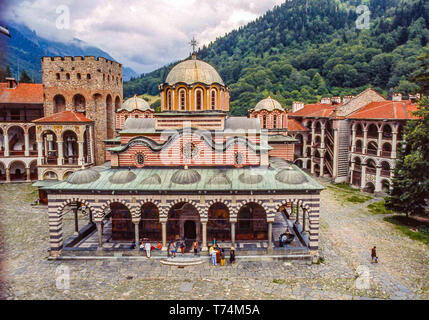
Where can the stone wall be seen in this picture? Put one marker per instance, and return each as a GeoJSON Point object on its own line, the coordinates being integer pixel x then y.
{"type": "Point", "coordinates": [86, 84]}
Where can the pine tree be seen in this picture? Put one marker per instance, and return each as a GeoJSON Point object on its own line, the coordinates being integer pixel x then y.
{"type": "Point", "coordinates": [24, 77]}
{"type": "Point", "coordinates": [8, 72]}
{"type": "Point", "coordinates": [411, 181]}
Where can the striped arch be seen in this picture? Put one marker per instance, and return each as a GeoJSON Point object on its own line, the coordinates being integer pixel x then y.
{"type": "Point", "coordinates": [125, 203]}
{"type": "Point", "coordinates": [69, 201]}
{"type": "Point", "coordinates": [227, 203]}
{"type": "Point", "coordinates": [287, 201]}
{"type": "Point", "coordinates": [142, 202]}
{"type": "Point", "coordinates": [355, 157]}
{"type": "Point", "coordinates": [179, 200]}
{"type": "Point", "coordinates": [241, 203]}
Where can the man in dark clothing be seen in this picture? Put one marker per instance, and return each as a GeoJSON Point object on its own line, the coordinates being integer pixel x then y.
{"type": "Point", "coordinates": [374, 255]}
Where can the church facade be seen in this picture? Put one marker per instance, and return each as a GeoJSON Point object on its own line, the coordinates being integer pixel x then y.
{"type": "Point", "coordinates": [190, 172]}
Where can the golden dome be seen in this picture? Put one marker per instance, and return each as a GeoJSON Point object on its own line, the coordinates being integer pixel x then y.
{"type": "Point", "coordinates": [193, 71]}
{"type": "Point", "coordinates": [268, 104]}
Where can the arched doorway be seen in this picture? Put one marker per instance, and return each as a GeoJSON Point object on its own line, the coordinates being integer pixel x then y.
{"type": "Point", "coordinates": [122, 225]}
{"type": "Point", "coordinates": [59, 103]}
{"type": "Point", "coordinates": [79, 103]}
{"type": "Point", "coordinates": [49, 148]}
{"type": "Point", "coordinates": [190, 230]}
{"type": "Point", "coordinates": [17, 171]}
{"type": "Point", "coordinates": [2, 172]}
{"type": "Point", "coordinates": [369, 187]}
{"type": "Point", "coordinates": [178, 215]}
{"type": "Point", "coordinates": [252, 223]}
{"type": "Point", "coordinates": [149, 226]}
{"type": "Point", "coordinates": [218, 225]}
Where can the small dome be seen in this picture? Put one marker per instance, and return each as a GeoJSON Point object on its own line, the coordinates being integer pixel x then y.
{"type": "Point", "coordinates": [153, 179]}
{"type": "Point", "coordinates": [279, 163]}
{"type": "Point", "coordinates": [186, 176]}
{"type": "Point", "coordinates": [135, 103]}
{"type": "Point", "coordinates": [268, 104]}
{"type": "Point", "coordinates": [219, 179]}
{"type": "Point", "coordinates": [122, 177]}
{"type": "Point", "coordinates": [291, 176]}
{"type": "Point", "coordinates": [83, 176]}
{"type": "Point", "coordinates": [193, 71]}
{"type": "Point", "coordinates": [250, 178]}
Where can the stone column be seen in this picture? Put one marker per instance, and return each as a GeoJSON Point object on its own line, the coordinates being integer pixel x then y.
{"type": "Point", "coordinates": [377, 179]}
{"type": "Point", "coordinates": [6, 144]}
{"type": "Point", "coordinates": [233, 221]}
{"type": "Point", "coordinates": [39, 153]}
{"type": "Point", "coordinates": [204, 240]}
{"type": "Point", "coordinates": [136, 234]}
{"type": "Point", "coordinates": [27, 170]}
{"type": "Point", "coordinates": [100, 234]}
{"type": "Point", "coordinates": [365, 140]}
{"type": "Point", "coordinates": [394, 142]}
{"type": "Point", "coordinates": [164, 235]}
{"type": "Point", "coordinates": [322, 164]}
{"type": "Point", "coordinates": [270, 235]}
{"type": "Point", "coordinates": [379, 142]}
{"type": "Point", "coordinates": [55, 229]}
{"type": "Point", "coordinates": [60, 160]}
{"type": "Point", "coordinates": [304, 146]}
{"type": "Point", "coordinates": [81, 159]}
{"type": "Point", "coordinates": [313, 131]}
{"type": "Point", "coordinates": [322, 142]}
{"type": "Point", "coordinates": [354, 139]}
{"type": "Point", "coordinates": [362, 178]}
{"type": "Point", "coordinates": [26, 144]}
{"type": "Point", "coordinates": [7, 175]}
{"type": "Point", "coordinates": [352, 169]}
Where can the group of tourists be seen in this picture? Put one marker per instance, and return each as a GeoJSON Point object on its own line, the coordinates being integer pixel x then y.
{"type": "Point", "coordinates": [146, 245]}
{"type": "Point", "coordinates": [217, 254]}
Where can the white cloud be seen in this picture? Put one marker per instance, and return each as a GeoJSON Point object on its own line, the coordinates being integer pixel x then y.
{"type": "Point", "coordinates": [142, 34]}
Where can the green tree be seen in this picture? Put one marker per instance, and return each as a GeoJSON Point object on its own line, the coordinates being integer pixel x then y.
{"type": "Point", "coordinates": [24, 77]}
{"type": "Point", "coordinates": [411, 181]}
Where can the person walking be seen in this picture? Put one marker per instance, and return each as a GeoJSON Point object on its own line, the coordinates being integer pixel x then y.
{"type": "Point", "coordinates": [182, 247]}
{"type": "Point", "coordinates": [147, 247]}
{"type": "Point", "coordinates": [374, 257]}
{"type": "Point", "coordinates": [232, 255]}
{"type": "Point", "coordinates": [195, 246]}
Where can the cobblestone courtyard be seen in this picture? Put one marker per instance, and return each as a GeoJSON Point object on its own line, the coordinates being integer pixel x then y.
{"type": "Point", "coordinates": [347, 234]}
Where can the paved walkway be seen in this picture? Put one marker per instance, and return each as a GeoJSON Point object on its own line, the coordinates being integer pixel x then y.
{"type": "Point", "coordinates": [347, 234]}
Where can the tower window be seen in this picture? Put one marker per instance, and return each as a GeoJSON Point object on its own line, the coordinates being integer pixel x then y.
{"type": "Point", "coordinates": [88, 76]}
{"type": "Point", "coordinates": [79, 76]}
{"type": "Point", "coordinates": [68, 76]}
{"type": "Point", "coordinates": [169, 100]}
{"type": "Point", "coordinates": [213, 100]}
{"type": "Point", "coordinates": [275, 121]}
{"type": "Point", "coordinates": [199, 100]}
{"type": "Point", "coordinates": [58, 76]}
{"type": "Point", "coordinates": [264, 121]}
{"type": "Point", "coordinates": [182, 100]}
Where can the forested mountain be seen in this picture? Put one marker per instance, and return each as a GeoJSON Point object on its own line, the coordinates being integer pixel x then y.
{"type": "Point", "coordinates": [304, 49]}
{"type": "Point", "coordinates": [25, 48]}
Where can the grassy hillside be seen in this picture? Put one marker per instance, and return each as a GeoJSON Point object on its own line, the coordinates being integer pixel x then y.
{"type": "Point", "coordinates": [303, 50]}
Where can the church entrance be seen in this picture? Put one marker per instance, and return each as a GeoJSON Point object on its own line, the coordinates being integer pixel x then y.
{"type": "Point", "coordinates": [190, 230]}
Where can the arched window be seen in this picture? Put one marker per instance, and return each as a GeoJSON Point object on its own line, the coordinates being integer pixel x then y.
{"type": "Point", "coordinates": [182, 99]}
{"type": "Point", "coordinates": [264, 121]}
{"type": "Point", "coordinates": [275, 121]}
{"type": "Point", "coordinates": [213, 99]}
{"type": "Point", "coordinates": [169, 100]}
{"type": "Point", "coordinates": [199, 99]}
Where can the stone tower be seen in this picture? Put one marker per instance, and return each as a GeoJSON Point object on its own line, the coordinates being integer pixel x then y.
{"type": "Point", "coordinates": [89, 85]}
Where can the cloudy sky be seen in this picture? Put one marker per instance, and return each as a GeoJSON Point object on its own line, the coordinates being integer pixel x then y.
{"type": "Point", "coordinates": [142, 34]}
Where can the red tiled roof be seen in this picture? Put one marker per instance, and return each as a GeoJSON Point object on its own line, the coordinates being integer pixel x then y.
{"type": "Point", "coordinates": [386, 110]}
{"type": "Point", "coordinates": [64, 116]}
{"type": "Point", "coordinates": [294, 125]}
{"type": "Point", "coordinates": [23, 93]}
{"type": "Point", "coordinates": [315, 110]}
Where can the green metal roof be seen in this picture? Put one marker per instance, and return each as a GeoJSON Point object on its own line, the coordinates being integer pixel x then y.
{"type": "Point", "coordinates": [281, 138]}
{"type": "Point", "coordinates": [268, 181]}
